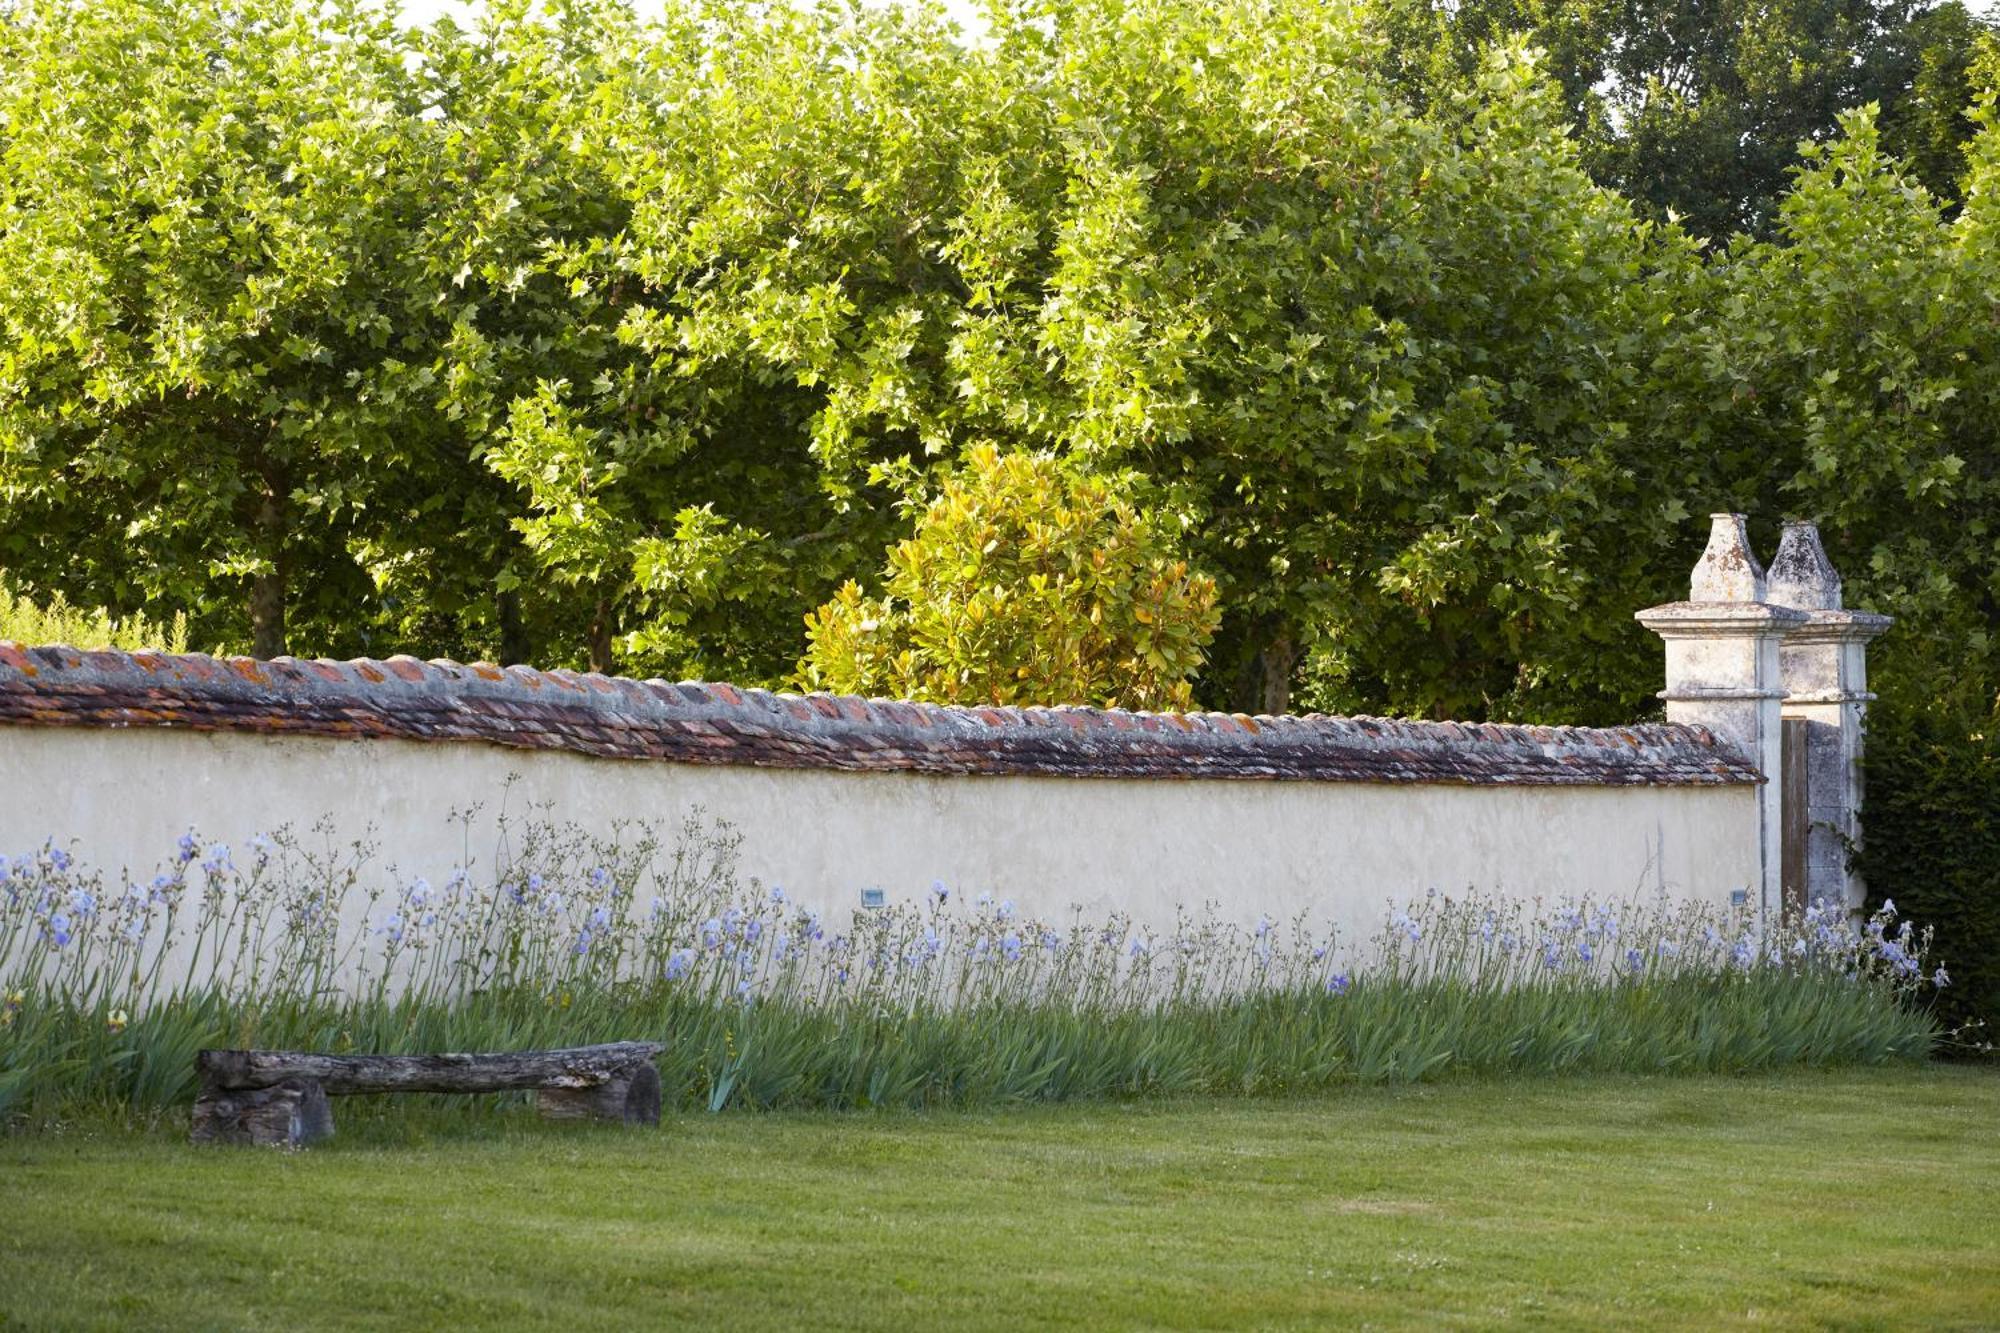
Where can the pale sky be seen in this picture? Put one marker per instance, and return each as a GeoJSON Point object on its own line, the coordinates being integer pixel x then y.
{"type": "Point", "coordinates": [423, 11]}
{"type": "Point", "coordinates": [965, 11]}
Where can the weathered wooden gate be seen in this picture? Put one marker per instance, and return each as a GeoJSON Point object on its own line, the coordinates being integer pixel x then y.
{"type": "Point", "coordinates": [1794, 814]}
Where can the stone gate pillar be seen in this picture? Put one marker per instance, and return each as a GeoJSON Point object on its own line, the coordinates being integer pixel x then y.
{"type": "Point", "coordinates": [1723, 673]}
{"type": "Point", "coordinates": [1823, 665]}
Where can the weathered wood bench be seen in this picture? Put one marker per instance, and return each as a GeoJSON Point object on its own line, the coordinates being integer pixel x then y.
{"type": "Point", "coordinates": [280, 1097]}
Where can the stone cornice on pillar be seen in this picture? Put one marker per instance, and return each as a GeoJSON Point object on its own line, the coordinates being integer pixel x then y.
{"type": "Point", "coordinates": [1834, 626]}
{"type": "Point", "coordinates": [1713, 622]}
{"type": "Point", "coordinates": [1688, 620]}
{"type": "Point", "coordinates": [1823, 662]}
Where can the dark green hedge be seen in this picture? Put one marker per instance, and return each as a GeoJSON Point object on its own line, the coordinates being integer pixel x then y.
{"type": "Point", "coordinates": [1932, 829]}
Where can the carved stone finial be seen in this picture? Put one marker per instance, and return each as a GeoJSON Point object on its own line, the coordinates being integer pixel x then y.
{"type": "Point", "coordinates": [1727, 571]}
{"type": "Point", "coordinates": [1801, 575]}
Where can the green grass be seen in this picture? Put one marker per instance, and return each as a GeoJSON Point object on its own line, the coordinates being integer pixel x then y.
{"type": "Point", "coordinates": [1858, 1199]}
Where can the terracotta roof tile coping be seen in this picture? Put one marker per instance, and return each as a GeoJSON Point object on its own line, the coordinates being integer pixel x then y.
{"type": "Point", "coordinates": [694, 722]}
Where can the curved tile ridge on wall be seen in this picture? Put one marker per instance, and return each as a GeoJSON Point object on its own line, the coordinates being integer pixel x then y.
{"type": "Point", "coordinates": [607, 716]}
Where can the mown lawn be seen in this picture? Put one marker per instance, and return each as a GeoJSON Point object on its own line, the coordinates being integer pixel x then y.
{"type": "Point", "coordinates": [1854, 1199]}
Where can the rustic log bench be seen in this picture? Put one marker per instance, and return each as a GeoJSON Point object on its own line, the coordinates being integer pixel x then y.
{"type": "Point", "coordinates": [280, 1097]}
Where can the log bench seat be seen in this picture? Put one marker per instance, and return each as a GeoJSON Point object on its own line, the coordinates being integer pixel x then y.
{"type": "Point", "coordinates": [280, 1097]}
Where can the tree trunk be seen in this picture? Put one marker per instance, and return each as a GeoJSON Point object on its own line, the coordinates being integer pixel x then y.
{"type": "Point", "coordinates": [1264, 655]}
{"type": "Point", "coordinates": [630, 1097]}
{"type": "Point", "coordinates": [600, 638]}
{"type": "Point", "coordinates": [1275, 665]}
{"type": "Point", "coordinates": [267, 590]}
{"type": "Point", "coordinates": [341, 1075]}
{"type": "Point", "coordinates": [515, 650]}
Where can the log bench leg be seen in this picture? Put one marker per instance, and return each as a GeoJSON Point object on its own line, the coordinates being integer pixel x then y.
{"type": "Point", "coordinates": [290, 1114]}
{"type": "Point", "coordinates": [631, 1096]}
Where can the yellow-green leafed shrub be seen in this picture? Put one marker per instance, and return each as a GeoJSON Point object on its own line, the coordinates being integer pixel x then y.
{"type": "Point", "coordinates": [1028, 581]}
{"type": "Point", "coordinates": [56, 621]}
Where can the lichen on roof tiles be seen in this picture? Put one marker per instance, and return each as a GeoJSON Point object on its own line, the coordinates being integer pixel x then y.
{"type": "Point", "coordinates": [690, 722]}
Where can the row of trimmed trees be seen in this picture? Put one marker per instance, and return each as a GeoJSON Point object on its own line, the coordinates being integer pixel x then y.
{"type": "Point", "coordinates": [1260, 355]}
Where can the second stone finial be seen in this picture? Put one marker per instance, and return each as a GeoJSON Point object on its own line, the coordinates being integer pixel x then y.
{"type": "Point", "coordinates": [1728, 571]}
{"type": "Point", "coordinates": [1801, 575]}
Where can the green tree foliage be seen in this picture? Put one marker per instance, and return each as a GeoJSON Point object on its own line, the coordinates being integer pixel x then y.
{"type": "Point", "coordinates": [200, 331]}
{"type": "Point", "coordinates": [268, 273]}
{"type": "Point", "coordinates": [1380, 358]}
{"type": "Point", "coordinates": [1700, 109]}
{"type": "Point", "coordinates": [632, 344]}
{"type": "Point", "coordinates": [1027, 581]}
{"type": "Point", "coordinates": [676, 471]}
{"type": "Point", "coordinates": [1948, 56]}
{"type": "Point", "coordinates": [512, 191]}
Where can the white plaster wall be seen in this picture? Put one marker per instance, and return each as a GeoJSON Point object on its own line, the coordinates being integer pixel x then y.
{"type": "Point", "coordinates": [1337, 851]}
